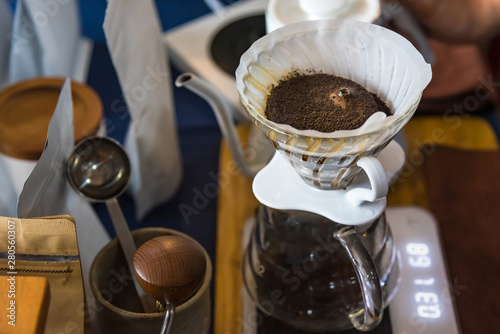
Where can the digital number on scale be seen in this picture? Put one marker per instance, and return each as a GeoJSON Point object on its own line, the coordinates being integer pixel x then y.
{"type": "Point", "coordinates": [423, 303]}
{"type": "Point", "coordinates": [428, 302]}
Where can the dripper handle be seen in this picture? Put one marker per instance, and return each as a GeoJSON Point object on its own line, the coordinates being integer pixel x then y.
{"type": "Point", "coordinates": [369, 317]}
{"type": "Point", "coordinates": [378, 181]}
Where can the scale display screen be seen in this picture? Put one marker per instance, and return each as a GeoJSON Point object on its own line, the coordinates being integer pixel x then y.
{"type": "Point", "coordinates": [424, 301]}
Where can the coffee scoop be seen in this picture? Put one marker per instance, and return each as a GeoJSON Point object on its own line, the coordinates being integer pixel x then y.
{"type": "Point", "coordinates": [170, 268]}
{"type": "Point", "coordinates": [99, 169]}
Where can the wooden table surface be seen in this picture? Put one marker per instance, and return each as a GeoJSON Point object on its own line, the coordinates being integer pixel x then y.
{"type": "Point", "coordinates": [31, 298]}
{"type": "Point", "coordinates": [237, 203]}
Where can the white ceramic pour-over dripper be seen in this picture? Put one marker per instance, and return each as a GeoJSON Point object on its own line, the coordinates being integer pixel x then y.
{"type": "Point", "coordinates": [380, 60]}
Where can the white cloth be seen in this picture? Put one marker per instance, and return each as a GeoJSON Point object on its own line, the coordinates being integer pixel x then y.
{"type": "Point", "coordinates": [133, 34]}
{"type": "Point", "coordinates": [45, 39]}
{"type": "Point", "coordinates": [47, 191]}
{"type": "Point", "coordinates": [5, 36]}
{"type": "Point", "coordinates": [8, 195]}
{"type": "Point", "coordinates": [42, 40]}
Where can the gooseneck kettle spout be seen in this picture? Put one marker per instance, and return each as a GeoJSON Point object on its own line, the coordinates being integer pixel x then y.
{"type": "Point", "coordinates": [224, 118]}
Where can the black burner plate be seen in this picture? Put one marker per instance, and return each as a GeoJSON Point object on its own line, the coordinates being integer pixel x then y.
{"type": "Point", "coordinates": [234, 39]}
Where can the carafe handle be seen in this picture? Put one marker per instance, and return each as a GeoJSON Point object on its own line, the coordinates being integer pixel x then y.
{"type": "Point", "coordinates": [371, 315]}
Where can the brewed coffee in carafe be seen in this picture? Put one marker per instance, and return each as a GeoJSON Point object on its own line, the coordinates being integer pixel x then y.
{"type": "Point", "coordinates": [320, 256]}
{"type": "Point", "coordinates": [297, 270]}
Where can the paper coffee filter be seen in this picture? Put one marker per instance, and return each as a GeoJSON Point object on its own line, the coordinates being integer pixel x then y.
{"type": "Point", "coordinates": [377, 58]}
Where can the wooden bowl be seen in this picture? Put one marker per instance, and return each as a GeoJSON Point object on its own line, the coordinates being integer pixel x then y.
{"type": "Point", "coordinates": [27, 107]}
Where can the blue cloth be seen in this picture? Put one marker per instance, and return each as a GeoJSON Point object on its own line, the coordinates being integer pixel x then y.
{"type": "Point", "coordinates": [172, 13]}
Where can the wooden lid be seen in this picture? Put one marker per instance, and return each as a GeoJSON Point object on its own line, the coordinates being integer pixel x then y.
{"type": "Point", "coordinates": [27, 107]}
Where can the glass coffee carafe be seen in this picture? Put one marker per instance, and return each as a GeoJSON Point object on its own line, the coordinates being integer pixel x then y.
{"type": "Point", "coordinates": [320, 256]}
{"type": "Point", "coordinates": [298, 268]}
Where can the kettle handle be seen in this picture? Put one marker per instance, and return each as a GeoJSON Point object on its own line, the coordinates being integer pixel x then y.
{"type": "Point", "coordinates": [369, 317]}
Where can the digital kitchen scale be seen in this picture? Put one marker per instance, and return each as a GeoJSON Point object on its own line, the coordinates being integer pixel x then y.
{"type": "Point", "coordinates": [423, 303]}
